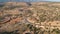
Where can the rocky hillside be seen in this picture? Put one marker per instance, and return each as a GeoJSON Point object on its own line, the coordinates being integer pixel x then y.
{"type": "Point", "coordinates": [16, 16]}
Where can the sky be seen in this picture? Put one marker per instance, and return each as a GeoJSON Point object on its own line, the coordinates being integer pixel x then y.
{"type": "Point", "coordinates": [29, 0]}
{"type": "Point", "coordinates": [53, 0]}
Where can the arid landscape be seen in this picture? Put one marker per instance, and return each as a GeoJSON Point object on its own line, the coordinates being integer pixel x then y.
{"type": "Point", "coordinates": [30, 18]}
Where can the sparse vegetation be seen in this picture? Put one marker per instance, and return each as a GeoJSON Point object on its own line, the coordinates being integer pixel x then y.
{"type": "Point", "coordinates": [32, 17]}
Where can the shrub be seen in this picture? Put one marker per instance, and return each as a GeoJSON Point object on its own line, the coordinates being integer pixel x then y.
{"type": "Point", "coordinates": [2, 5]}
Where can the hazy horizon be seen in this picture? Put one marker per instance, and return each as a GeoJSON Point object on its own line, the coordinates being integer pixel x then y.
{"type": "Point", "coordinates": [28, 0]}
